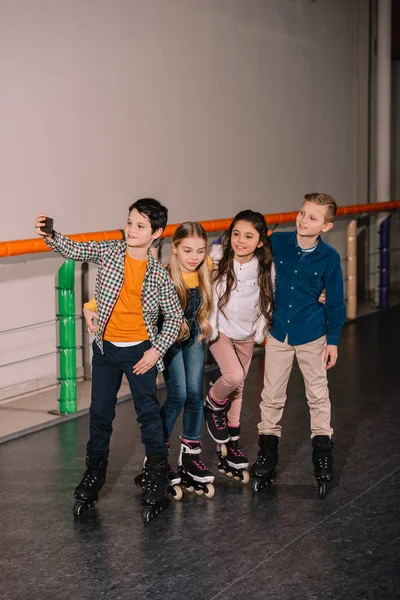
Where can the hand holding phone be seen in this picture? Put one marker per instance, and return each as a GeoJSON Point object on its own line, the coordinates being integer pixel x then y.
{"type": "Point", "coordinates": [44, 225]}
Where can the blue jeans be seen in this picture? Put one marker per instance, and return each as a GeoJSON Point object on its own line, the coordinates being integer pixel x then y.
{"type": "Point", "coordinates": [107, 372]}
{"type": "Point", "coordinates": [183, 374]}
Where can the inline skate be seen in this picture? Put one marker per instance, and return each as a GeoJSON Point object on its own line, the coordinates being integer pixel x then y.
{"type": "Point", "coordinates": [154, 487]}
{"type": "Point", "coordinates": [263, 471]}
{"type": "Point", "coordinates": [87, 492]}
{"type": "Point", "coordinates": [194, 474]}
{"type": "Point", "coordinates": [323, 462]}
{"type": "Point", "coordinates": [215, 417]}
{"type": "Point", "coordinates": [231, 459]}
{"type": "Point", "coordinates": [174, 482]}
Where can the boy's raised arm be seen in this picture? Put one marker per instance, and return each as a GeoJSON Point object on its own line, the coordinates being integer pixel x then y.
{"type": "Point", "coordinates": [79, 251]}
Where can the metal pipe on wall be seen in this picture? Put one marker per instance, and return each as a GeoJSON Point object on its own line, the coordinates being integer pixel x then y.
{"type": "Point", "coordinates": [87, 371]}
{"type": "Point", "coordinates": [383, 134]}
{"type": "Point", "coordinates": [384, 263]}
{"type": "Point", "coordinates": [67, 337]}
{"type": "Point", "coordinates": [351, 256]}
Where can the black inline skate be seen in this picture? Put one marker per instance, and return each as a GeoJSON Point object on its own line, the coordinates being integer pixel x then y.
{"type": "Point", "coordinates": [263, 472]}
{"type": "Point", "coordinates": [232, 461]}
{"type": "Point", "coordinates": [195, 476]}
{"type": "Point", "coordinates": [323, 462]}
{"type": "Point", "coordinates": [155, 486]}
{"type": "Point", "coordinates": [215, 417]}
{"type": "Point", "coordinates": [87, 492]}
{"type": "Point", "coordinates": [174, 482]}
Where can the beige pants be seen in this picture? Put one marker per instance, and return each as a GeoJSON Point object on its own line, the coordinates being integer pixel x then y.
{"type": "Point", "coordinates": [278, 366]}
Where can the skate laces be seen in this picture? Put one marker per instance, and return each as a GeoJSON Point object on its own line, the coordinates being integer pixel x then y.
{"type": "Point", "coordinates": [220, 420]}
{"type": "Point", "coordinates": [200, 465]}
{"type": "Point", "coordinates": [90, 477]}
{"type": "Point", "coordinates": [153, 478]}
{"type": "Point", "coordinates": [235, 448]}
{"type": "Point", "coordinates": [151, 483]}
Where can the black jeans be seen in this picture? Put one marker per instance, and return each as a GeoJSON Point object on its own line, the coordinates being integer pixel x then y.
{"type": "Point", "coordinates": [107, 372]}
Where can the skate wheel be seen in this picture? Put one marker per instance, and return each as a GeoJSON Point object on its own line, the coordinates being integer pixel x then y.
{"type": "Point", "coordinates": [245, 477]}
{"type": "Point", "coordinates": [210, 493]}
{"type": "Point", "coordinates": [229, 473]}
{"type": "Point", "coordinates": [223, 449]}
{"type": "Point", "coordinates": [236, 477]}
{"type": "Point", "coordinates": [255, 485]}
{"type": "Point", "coordinates": [177, 493]}
{"type": "Point", "coordinates": [79, 508]}
{"type": "Point", "coordinates": [222, 471]}
{"type": "Point", "coordinates": [147, 514]}
{"type": "Point", "coordinates": [190, 489]}
{"type": "Point", "coordinates": [322, 489]}
{"type": "Point", "coordinates": [199, 492]}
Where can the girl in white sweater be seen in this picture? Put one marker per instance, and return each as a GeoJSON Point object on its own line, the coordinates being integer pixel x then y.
{"type": "Point", "coordinates": [241, 316]}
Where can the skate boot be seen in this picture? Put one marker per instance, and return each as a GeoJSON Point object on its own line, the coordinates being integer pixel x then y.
{"type": "Point", "coordinates": [155, 486]}
{"type": "Point", "coordinates": [263, 472]}
{"type": "Point", "coordinates": [194, 473]}
{"type": "Point", "coordinates": [234, 463]}
{"type": "Point", "coordinates": [174, 481]}
{"type": "Point", "coordinates": [215, 417]}
{"type": "Point", "coordinates": [87, 492]}
{"type": "Point", "coordinates": [323, 462]}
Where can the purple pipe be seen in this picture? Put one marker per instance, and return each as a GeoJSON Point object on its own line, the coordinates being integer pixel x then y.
{"type": "Point", "coordinates": [384, 263]}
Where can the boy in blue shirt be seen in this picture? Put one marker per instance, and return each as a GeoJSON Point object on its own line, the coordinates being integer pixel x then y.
{"type": "Point", "coordinates": [305, 328]}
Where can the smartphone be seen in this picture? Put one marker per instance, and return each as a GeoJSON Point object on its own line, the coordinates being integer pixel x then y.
{"type": "Point", "coordinates": [48, 225]}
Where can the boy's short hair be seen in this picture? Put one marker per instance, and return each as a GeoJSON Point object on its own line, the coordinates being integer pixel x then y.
{"type": "Point", "coordinates": [324, 200]}
{"type": "Point", "coordinates": [153, 210]}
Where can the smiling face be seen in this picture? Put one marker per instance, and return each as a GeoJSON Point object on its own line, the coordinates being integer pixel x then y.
{"type": "Point", "coordinates": [311, 220]}
{"type": "Point", "coordinates": [138, 231]}
{"type": "Point", "coordinates": [190, 253]}
{"type": "Point", "coordinates": [245, 239]}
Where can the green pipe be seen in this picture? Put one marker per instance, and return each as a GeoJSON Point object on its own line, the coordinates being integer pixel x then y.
{"type": "Point", "coordinates": [67, 337]}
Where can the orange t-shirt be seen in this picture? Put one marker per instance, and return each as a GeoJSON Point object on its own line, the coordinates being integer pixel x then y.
{"type": "Point", "coordinates": [126, 323]}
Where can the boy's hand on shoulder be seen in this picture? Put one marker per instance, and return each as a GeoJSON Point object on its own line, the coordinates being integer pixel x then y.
{"type": "Point", "coordinates": [150, 357]}
{"type": "Point", "coordinates": [330, 357]}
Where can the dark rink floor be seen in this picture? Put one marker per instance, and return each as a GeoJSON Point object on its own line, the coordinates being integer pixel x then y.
{"type": "Point", "coordinates": [283, 543]}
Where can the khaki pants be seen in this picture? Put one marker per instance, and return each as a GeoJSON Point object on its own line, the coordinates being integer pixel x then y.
{"type": "Point", "coordinates": [278, 366]}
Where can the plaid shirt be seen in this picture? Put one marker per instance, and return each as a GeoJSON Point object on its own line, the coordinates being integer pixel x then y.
{"type": "Point", "coordinates": [158, 291]}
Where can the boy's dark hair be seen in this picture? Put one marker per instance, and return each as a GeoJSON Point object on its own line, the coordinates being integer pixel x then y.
{"type": "Point", "coordinates": [324, 200]}
{"type": "Point", "coordinates": [153, 210]}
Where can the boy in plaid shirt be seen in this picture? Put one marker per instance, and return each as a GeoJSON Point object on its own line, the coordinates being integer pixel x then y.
{"type": "Point", "coordinates": [131, 289]}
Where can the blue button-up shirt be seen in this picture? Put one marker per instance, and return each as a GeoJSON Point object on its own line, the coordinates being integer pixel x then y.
{"type": "Point", "coordinates": [300, 279]}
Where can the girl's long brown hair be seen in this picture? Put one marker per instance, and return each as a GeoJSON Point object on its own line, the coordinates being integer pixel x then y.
{"type": "Point", "coordinates": [225, 268]}
{"type": "Point", "coordinates": [188, 230]}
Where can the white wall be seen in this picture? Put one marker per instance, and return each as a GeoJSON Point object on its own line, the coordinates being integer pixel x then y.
{"type": "Point", "coordinates": [395, 147]}
{"type": "Point", "coordinates": [209, 105]}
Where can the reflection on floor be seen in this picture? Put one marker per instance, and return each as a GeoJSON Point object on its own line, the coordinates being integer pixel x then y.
{"type": "Point", "coordinates": [283, 543]}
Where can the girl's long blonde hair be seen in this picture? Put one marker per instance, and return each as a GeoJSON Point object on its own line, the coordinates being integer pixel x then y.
{"type": "Point", "coordinates": [187, 230]}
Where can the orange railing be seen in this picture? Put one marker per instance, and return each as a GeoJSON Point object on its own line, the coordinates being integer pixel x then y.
{"type": "Point", "coordinates": [19, 247]}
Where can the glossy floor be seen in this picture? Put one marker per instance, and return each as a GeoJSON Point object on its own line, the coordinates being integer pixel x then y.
{"type": "Point", "coordinates": [282, 543]}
